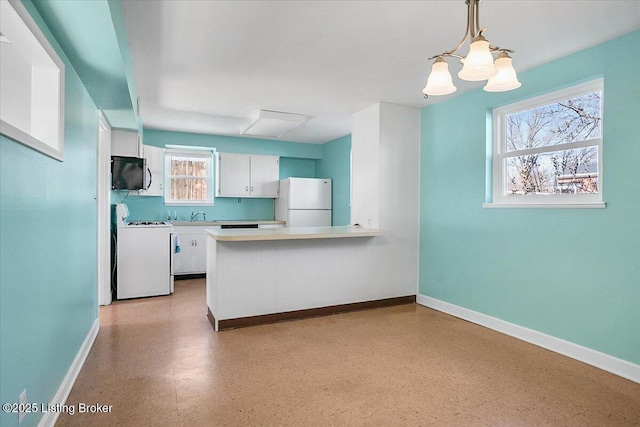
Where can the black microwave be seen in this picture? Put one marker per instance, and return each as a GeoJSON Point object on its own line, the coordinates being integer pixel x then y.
{"type": "Point", "coordinates": [129, 173]}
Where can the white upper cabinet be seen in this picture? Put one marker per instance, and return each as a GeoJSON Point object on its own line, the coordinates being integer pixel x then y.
{"type": "Point", "coordinates": [265, 176]}
{"type": "Point", "coordinates": [155, 170]}
{"type": "Point", "coordinates": [247, 175]}
{"type": "Point", "coordinates": [233, 173]}
{"type": "Point", "coordinates": [125, 143]}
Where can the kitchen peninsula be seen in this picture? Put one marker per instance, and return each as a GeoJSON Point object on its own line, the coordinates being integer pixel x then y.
{"type": "Point", "coordinates": [257, 276]}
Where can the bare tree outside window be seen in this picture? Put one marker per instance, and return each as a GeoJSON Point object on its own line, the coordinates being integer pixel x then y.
{"type": "Point", "coordinates": [547, 150]}
{"type": "Point", "coordinates": [570, 164]}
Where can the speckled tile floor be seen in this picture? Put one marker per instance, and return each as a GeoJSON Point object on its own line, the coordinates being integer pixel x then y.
{"type": "Point", "coordinates": [157, 361]}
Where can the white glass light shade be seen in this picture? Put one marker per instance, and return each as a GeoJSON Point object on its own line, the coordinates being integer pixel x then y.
{"type": "Point", "coordinates": [506, 78]}
{"type": "Point", "coordinates": [439, 81]}
{"type": "Point", "coordinates": [478, 64]}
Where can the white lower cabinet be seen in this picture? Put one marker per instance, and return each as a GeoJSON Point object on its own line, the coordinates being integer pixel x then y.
{"type": "Point", "coordinates": [192, 258]}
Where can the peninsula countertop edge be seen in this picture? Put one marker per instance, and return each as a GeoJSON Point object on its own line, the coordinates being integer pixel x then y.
{"type": "Point", "coordinates": [299, 233]}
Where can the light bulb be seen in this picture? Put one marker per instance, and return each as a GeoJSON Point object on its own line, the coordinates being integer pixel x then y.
{"type": "Point", "coordinates": [478, 64]}
{"type": "Point", "coordinates": [439, 81]}
{"type": "Point", "coordinates": [506, 79]}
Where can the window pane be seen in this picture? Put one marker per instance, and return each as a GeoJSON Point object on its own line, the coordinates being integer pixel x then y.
{"type": "Point", "coordinates": [572, 120]}
{"type": "Point", "coordinates": [189, 166]}
{"type": "Point", "coordinates": [557, 172]}
{"type": "Point", "coordinates": [188, 189]}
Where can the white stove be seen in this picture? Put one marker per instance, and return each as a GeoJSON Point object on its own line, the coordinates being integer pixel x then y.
{"type": "Point", "coordinates": [144, 256]}
{"type": "Point", "coordinates": [148, 224]}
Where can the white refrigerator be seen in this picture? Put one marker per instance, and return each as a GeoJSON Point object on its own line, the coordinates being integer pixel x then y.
{"type": "Point", "coordinates": [304, 202]}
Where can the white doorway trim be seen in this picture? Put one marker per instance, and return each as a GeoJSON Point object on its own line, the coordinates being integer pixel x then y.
{"type": "Point", "coordinates": [104, 211]}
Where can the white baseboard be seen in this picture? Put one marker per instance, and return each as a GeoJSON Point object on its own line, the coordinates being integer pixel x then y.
{"type": "Point", "coordinates": [49, 418]}
{"type": "Point", "coordinates": [628, 370]}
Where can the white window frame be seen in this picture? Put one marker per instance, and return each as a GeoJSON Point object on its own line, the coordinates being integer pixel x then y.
{"type": "Point", "coordinates": [188, 152]}
{"type": "Point", "coordinates": [32, 110]}
{"type": "Point", "coordinates": [499, 197]}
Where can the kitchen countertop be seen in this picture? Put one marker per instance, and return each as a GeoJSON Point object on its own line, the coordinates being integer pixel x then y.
{"type": "Point", "coordinates": [260, 234]}
{"type": "Point", "coordinates": [227, 222]}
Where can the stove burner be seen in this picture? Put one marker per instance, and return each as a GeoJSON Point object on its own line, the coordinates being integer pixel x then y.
{"type": "Point", "coordinates": [147, 223]}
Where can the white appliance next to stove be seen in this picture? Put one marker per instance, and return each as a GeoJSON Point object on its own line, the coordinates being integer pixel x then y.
{"type": "Point", "coordinates": [304, 202]}
{"type": "Point", "coordinates": [144, 256]}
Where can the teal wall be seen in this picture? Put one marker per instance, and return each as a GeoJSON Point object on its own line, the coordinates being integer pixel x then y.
{"type": "Point", "coordinates": [86, 31]}
{"type": "Point", "coordinates": [48, 229]}
{"type": "Point", "coordinates": [570, 273]}
{"type": "Point", "coordinates": [230, 144]}
{"type": "Point", "coordinates": [336, 164]}
{"type": "Point", "coordinates": [296, 159]}
{"type": "Point", "coordinates": [301, 168]}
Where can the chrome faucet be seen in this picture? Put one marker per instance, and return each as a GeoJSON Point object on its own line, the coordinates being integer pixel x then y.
{"type": "Point", "coordinates": [194, 216]}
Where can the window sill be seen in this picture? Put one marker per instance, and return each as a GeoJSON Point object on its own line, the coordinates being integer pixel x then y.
{"type": "Point", "coordinates": [188, 204]}
{"type": "Point", "coordinates": [594, 205]}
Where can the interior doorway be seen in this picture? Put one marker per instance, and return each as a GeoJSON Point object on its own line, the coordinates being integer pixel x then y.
{"type": "Point", "coordinates": [104, 211]}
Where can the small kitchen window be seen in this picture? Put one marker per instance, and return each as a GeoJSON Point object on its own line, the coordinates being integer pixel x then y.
{"type": "Point", "coordinates": [547, 150]}
{"type": "Point", "coordinates": [188, 177]}
{"type": "Point", "coordinates": [31, 83]}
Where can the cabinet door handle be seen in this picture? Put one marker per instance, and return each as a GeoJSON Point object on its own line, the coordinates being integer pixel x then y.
{"type": "Point", "coordinates": [252, 188]}
{"type": "Point", "coordinates": [246, 188]}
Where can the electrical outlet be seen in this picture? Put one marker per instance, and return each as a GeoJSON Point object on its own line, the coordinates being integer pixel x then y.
{"type": "Point", "coordinates": [22, 403]}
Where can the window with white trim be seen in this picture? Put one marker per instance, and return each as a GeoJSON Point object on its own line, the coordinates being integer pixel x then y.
{"type": "Point", "coordinates": [547, 150]}
{"type": "Point", "coordinates": [188, 177]}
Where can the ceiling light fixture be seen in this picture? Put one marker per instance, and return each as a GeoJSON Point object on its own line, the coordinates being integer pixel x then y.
{"type": "Point", "coordinates": [477, 65]}
{"type": "Point", "coordinates": [273, 124]}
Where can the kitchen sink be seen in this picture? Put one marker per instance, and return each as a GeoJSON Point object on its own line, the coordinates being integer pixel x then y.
{"type": "Point", "coordinates": [201, 222]}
